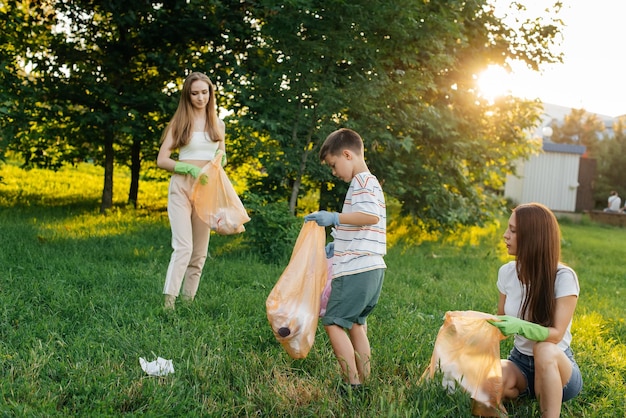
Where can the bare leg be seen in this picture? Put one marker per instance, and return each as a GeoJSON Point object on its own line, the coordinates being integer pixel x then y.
{"type": "Point", "coordinates": [363, 353]}
{"type": "Point", "coordinates": [513, 381]}
{"type": "Point", "coordinates": [552, 371]}
{"type": "Point", "coordinates": [344, 351]}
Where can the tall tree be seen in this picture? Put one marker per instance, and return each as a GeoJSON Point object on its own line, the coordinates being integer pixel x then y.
{"type": "Point", "coordinates": [581, 128]}
{"type": "Point", "coordinates": [611, 163]}
{"type": "Point", "coordinates": [441, 149]}
{"type": "Point", "coordinates": [403, 74]}
{"type": "Point", "coordinates": [23, 110]}
{"type": "Point", "coordinates": [291, 86]}
{"type": "Point", "coordinates": [106, 75]}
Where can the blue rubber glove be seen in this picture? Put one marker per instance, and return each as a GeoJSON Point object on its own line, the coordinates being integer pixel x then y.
{"type": "Point", "coordinates": [186, 168]}
{"type": "Point", "coordinates": [330, 250]}
{"type": "Point", "coordinates": [323, 218]}
{"type": "Point", "coordinates": [509, 325]}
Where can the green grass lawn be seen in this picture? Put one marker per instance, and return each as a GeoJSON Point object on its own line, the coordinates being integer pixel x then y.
{"type": "Point", "coordinates": [80, 302]}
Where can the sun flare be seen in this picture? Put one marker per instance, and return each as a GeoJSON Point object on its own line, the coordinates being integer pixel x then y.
{"type": "Point", "coordinates": [494, 82]}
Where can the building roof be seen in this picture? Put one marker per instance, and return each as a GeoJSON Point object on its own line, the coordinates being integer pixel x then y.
{"type": "Point", "coordinates": [564, 148]}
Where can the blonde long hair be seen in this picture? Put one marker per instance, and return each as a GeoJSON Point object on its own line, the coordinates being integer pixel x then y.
{"type": "Point", "coordinates": [181, 123]}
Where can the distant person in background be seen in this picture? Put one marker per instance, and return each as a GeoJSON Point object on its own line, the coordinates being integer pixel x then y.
{"type": "Point", "coordinates": [197, 133]}
{"type": "Point", "coordinates": [614, 202]}
{"type": "Point", "coordinates": [538, 296]}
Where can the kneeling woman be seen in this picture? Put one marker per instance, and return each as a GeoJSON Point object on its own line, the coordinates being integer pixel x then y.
{"type": "Point", "coordinates": [538, 296]}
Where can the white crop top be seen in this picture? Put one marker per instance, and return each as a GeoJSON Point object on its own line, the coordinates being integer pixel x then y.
{"type": "Point", "coordinates": [200, 147]}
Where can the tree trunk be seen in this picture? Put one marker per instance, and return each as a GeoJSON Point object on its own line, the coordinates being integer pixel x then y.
{"type": "Point", "coordinates": [295, 188]}
{"type": "Point", "coordinates": [332, 200]}
{"type": "Point", "coordinates": [107, 191]}
{"type": "Point", "coordinates": [135, 167]}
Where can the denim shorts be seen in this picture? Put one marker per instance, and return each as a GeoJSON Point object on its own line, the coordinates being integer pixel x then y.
{"type": "Point", "coordinates": [526, 364]}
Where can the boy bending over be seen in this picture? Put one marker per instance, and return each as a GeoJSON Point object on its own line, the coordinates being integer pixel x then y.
{"type": "Point", "coordinates": [359, 246]}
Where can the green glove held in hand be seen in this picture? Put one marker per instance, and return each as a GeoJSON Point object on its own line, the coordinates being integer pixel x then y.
{"type": "Point", "coordinates": [223, 161]}
{"type": "Point", "coordinates": [186, 168]}
{"type": "Point", "coordinates": [509, 325]}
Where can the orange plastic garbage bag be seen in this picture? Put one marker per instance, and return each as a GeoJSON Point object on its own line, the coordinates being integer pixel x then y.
{"type": "Point", "coordinates": [327, 287]}
{"type": "Point", "coordinates": [293, 305]}
{"type": "Point", "coordinates": [467, 352]}
{"type": "Point", "coordinates": [216, 201]}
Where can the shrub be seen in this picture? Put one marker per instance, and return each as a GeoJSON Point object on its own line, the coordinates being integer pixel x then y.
{"type": "Point", "coordinates": [272, 230]}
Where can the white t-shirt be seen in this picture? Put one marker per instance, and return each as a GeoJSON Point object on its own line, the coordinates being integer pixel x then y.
{"type": "Point", "coordinates": [615, 202]}
{"type": "Point", "coordinates": [360, 248]}
{"type": "Point", "coordinates": [508, 284]}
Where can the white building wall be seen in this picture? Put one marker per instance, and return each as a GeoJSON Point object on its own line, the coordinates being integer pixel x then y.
{"type": "Point", "coordinates": [514, 185]}
{"type": "Point", "coordinates": [550, 178]}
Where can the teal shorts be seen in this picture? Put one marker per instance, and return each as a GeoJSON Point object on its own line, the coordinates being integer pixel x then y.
{"type": "Point", "coordinates": [353, 297]}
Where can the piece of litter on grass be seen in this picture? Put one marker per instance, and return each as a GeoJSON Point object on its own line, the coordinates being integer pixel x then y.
{"type": "Point", "coordinates": [158, 367]}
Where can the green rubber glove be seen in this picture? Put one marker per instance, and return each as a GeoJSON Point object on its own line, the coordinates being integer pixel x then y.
{"type": "Point", "coordinates": [223, 161]}
{"type": "Point", "coordinates": [509, 325]}
{"type": "Point", "coordinates": [203, 179]}
{"type": "Point", "coordinates": [186, 168]}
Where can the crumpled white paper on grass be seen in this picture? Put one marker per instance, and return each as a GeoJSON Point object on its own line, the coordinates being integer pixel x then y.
{"type": "Point", "coordinates": [159, 367]}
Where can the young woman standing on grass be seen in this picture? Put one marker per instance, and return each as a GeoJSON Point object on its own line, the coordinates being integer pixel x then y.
{"type": "Point", "coordinates": [197, 133]}
{"type": "Point", "coordinates": [538, 296]}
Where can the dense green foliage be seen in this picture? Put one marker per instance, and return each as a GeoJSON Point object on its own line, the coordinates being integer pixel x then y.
{"type": "Point", "coordinates": [272, 229]}
{"type": "Point", "coordinates": [409, 88]}
{"type": "Point", "coordinates": [97, 81]}
{"type": "Point", "coordinates": [610, 164]}
{"type": "Point", "coordinates": [580, 128]}
{"type": "Point", "coordinates": [81, 301]}
{"type": "Point", "coordinates": [101, 77]}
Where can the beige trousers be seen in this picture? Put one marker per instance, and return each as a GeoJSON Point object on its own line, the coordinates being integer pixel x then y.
{"type": "Point", "coordinates": [190, 239]}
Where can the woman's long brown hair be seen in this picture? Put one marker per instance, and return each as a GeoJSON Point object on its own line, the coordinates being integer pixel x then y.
{"type": "Point", "coordinates": [182, 121]}
{"type": "Point", "coordinates": [538, 256]}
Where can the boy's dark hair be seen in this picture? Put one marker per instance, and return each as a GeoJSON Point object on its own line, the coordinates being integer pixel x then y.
{"type": "Point", "coordinates": [339, 140]}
